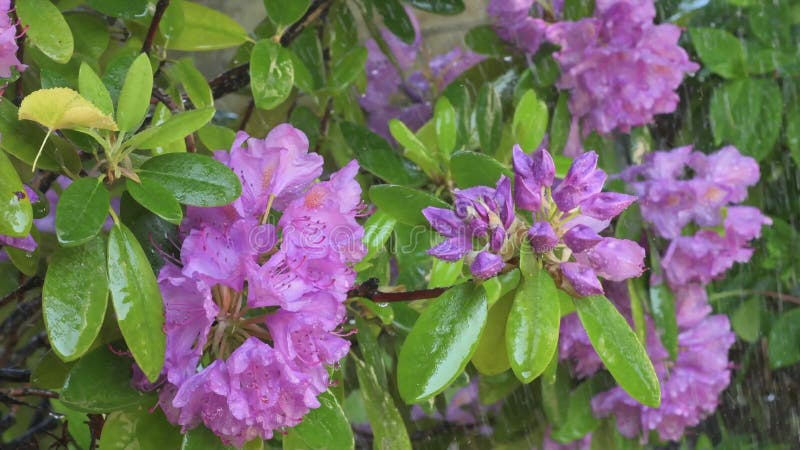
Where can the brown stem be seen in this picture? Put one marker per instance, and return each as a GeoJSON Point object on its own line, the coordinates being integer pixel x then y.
{"type": "Point", "coordinates": [369, 290]}
{"type": "Point", "coordinates": [27, 392]}
{"type": "Point", "coordinates": [248, 113]}
{"type": "Point", "coordinates": [161, 6]}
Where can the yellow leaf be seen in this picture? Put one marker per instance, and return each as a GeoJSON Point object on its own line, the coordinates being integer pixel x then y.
{"type": "Point", "coordinates": [60, 108]}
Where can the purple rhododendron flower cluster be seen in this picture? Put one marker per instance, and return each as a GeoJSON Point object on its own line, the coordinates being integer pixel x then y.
{"type": "Point", "coordinates": [620, 68]}
{"type": "Point", "coordinates": [406, 96]}
{"type": "Point", "coordinates": [253, 308]}
{"type": "Point", "coordinates": [521, 22]}
{"type": "Point", "coordinates": [8, 43]}
{"type": "Point", "coordinates": [568, 216]}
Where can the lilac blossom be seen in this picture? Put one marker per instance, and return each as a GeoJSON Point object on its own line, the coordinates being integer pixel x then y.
{"type": "Point", "coordinates": [406, 94]}
{"type": "Point", "coordinates": [253, 307]}
{"type": "Point", "coordinates": [620, 68]}
{"type": "Point", "coordinates": [9, 63]}
{"type": "Point", "coordinates": [515, 24]}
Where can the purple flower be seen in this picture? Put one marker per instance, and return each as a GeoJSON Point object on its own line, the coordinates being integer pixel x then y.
{"type": "Point", "coordinates": [513, 22]}
{"type": "Point", "coordinates": [619, 67]}
{"type": "Point", "coordinates": [581, 238]}
{"type": "Point", "coordinates": [8, 43]}
{"type": "Point", "coordinates": [542, 237]}
{"type": "Point", "coordinates": [582, 279]}
{"type": "Point", "coordinates": [532, 173]}
{"type": "Point", "coordinates": [614, 259]}
{"type": "Point", "coordinates": [582, 182]}
{"type": "Point", "coordinates": [486, 265]}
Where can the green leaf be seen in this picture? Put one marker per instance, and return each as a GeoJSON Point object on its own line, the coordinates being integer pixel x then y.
{"type": "Point", "coordinates": [123, 9]}
{"type": "Point", "coordinates": [90, 32]}
{"type": "Point", "coordinates": [324, 427]}
{"type": "Point", "coordinates": [134, 99]}
{"type": "Point", "coordinates": [532, 331]}
{"type": "Point", "coordinates": [530, 121]}
{"type": "Point", "coordinates": [154, 233]}
{"type": "Point", "coordinates": [578, 9]}
{"type": "Point", "coordinates": [47, 29]}
{"type": "Point", "coordinates": [201, 438]}
{"type": "Point", "coordinates": [619, 349]}
{"type": "Point", "coordinates": [396, 19]}
{"type": "Point", "coordinates": [137, 300]}
{"type": "Point", "coordinates": [579, 421]}
{"type": "Point", "coordinates": [662, 305]}
{"type": "Point", "coordinates": [60, 108]}
{"type": "Point", "coordinates": [194, 83]}
{"type": "Point", "coordinates": [415, 150]}
{"type": "Point", "coordinates": [448, 7]}
{"type": "Point", "coordinates": [216, 137]}
{"type": "Point", "coordinates": [445, 273]}
{"type": "Point", "coordinates": [403, 203]}
{"type": "Point", "coordinates": [476, 169]}
{"type": "Point", "coordinates": [74, 298]}
{"type": "Point", "coordinates": [100, 382]}
{"type": "Point", "coordinates": [720, 51]}
{"type": "Point", "coordinates": [377, 230]}
{"type": "Point", "coordinates": [490, 357]}
{"type": "Point", "coordinates": [286, 13]}
{"type": "Point", "coordinates": [16, 214]}
{"type": "Point", "coordinates": [388, 429]}
{"type": "Point", "coordinates": [193, 179]}
{"type": "Point", "coordinates": [559, 127]}
{"type": "Point", "coordinates": [92, 88]}
{"type": "Point", "coordinates": [444, 123]}
{"type": "Point", "coordinates": [347, 69]}
{"type": "Point", "coordinates": [555, 396]}
{"type": "Point", "coordinates": [484, 40]}
{"type": "Point", "coordinates": [81, 211]}
{"type": "Point", "coordinates": [747, 113]}
{"type": "Point", "coordinates": [157, 199]}
{"type": "Point", "coordinates": [175, 128]}
{"type": "Point", "coordinates": [25, 261]}
{"type": "Point", "coordinates": [489, 111]}
{"type": "Point", "coordinates": [22, 139]}
{"type": "Point", "coordinates": [139, 429]}
{"type": "Point", "coordinates": [746, 320]}
{"type": "Point", "coordinates": [442, 341]}
{"type": "Point", "coordinates": [271, 74]}
{"type": "Point", "coordinates": [206, 29]}
{"type": "Point", "coordinates": [376, 156]}
{"type": "Point", "coordinates": [784, 340]}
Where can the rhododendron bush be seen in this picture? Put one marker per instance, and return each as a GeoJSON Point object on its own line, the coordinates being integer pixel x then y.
{"type": "Point", "coordinates": [574, 228]}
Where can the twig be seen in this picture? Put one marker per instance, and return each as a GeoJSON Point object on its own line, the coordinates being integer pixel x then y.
{"type": "Point", "coordinates": [161, 6]}
{"type": "Point", "coordinates": [17, 293]}
{"type": "Point", "coordinates": [369, 290]}
{"type": "Point", "coordinates": [21, 355]}
{"type": "Point", "coordinates": [15, 375]}
{"type": "Point", "coordinates": [48, 423]}
{"type": "Point", "coordinates": [248, 113]}
{"type": "Point", "coordinates": [96, 422]}
{"type": "Point", "coordinates": [162, 96]}
{"type": "Point", "coordinates": [28, 391]}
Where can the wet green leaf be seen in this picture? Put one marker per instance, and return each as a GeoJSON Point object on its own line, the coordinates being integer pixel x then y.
{"type": "Point", "coordinates": [376, 156]}
{"type": "Point", "coordinates": [157, 199]}
{"type": "Point", "coordinates": [92, 88]}
{"type": "Point", "coordinates": [16, 213]}
{"type": "Point", "coordinates": [388, 428]}
{"type": "Point", "coordinates": [194, 83]}
{"type": "Point", "coordinates": [137, 300]}
{"type": "Point", "coordinates": [476, 169]}
{"type": "Point", "coordinates": [490, 357]}
{"type": "Point", "coordinates": [530, 121]}
{"type": "Point", "coordinates": [784, 340]}
{"type": "Point", "coordinates": [75, 297]}
{"type": "Point", "coordinates": [662, 306]}
{"type": "Point", "coordinates": [396, 19]}
{"type": "Point", "coordinates": [324, 427]}
{"type": "Point", "coordinates": [286, 13]}
{"type": "Point", "coordinates": [23, 138]}
{"type": "Point", "coordinates": [206, 29]}
{"type": "Point", "coordinates": [444, 123]}
{"type": "Point", "coordinates": [403, 203]}
{"type": "Point", "coordinates": [81, 211]}
{"type": "Point", "coordinates": [442, 341]}
{"type": "Point", "coordinates": [348, 68]}
{"type": "Point", "coordinates": [619, 349]}
{"type": "Point", "coordinates": [484, 40]}
{"type": "Point", "coordinates": [720, 51]}
{"type": "Point", "coordinates": [175, 128]}
{"type": "Point", "coordinates": [201, 438]}
{"type": "Point", "coordinates": [448, 7]}
{"type": "Point", "coordinates": [134, 98]}
{"type": "Point", "coordinates": [489, 112]}
{"type": "Point", "coordinates": [123, 9]}
{"type": "Point", "coordinates": [746, 320]}
{"type": "Point", "coordinates": [46, 29]}
{"type": "Point", "coordinates": [414, 149]}
{"type": "Point", "coordinates": [271, 74]}
{"type": "Point", "coordinates": [139, 429]}
{"type": "Point", "coordinates": [193, 179]}
{"type": "Point", "coordinates": [579, 420]}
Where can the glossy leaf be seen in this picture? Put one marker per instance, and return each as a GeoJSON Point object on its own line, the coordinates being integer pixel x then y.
{"type": "Point", "coordinates": [489, 112]}
{"type": "Point", "coordinates": [134, 98]}
{"type": "Point", "coordinates": [286, 13]}
{"type": "Point", "coordinates": [619, 349]}
{"type": "Point", "coordinates": [175, 128]}
{"type": "Point", "coordinates": [84, 390]}
{"type": "Point", "coordinates": [23, 140]}
{"type": "Point", "coordinates": [784, 340]}
{"type": "Point", "coordinates": [579, 420]}
{"type": "Point", "coordinates": [81, 211]}
{"type": "Point", "coordinates": [720, 51]}
{"type": "Point", "coordinates": [201, 438]}
{"type": "Point", "coordinates": [414, 149]}
{"type": "Point", "coordinates": [155, 234]}
{"type": "Point", "coordinates": [403, 203]}
{"type": "Point", "coordinates": [476, 169]}
{"type": "Point", "coordinates": [347, 69]}
{"type": "Point", "coordinates": [490, 357]}
{"type": "Point", "coordinates": [46, 28]}
{"type": "Point", "coordinates": [377, 230]}
{"type": "Point", "coordinates": [530, 121]}
{"type": "Point", "coordinates": [123, 9]}
{"type": "Point", "coordinates": [60, 108]}
{"type": "Point", "coordinates": [271, 74]}
{"type": "Point", "coordinates": [90, 32]}
{"type": "Point", "coordinates": [484, 40]}
{"type": "Point", "coordinates": [533, 323]}
{"type": "Point", "coordinates": [559, 126]}
{"type": "Point", "coordinates": [448, 7]}
{"type": "Point", "coordinates": [206, 29]}
{"type": "Point", "coordinates": [139, 429]}
{"type": "Point", "coordinates": [193, 179]}
{"type": "Point", "coordinates": [74, 297]}
{"type": "Point", "coordinates": [324, 427]}
{"type": "Point", "coordinates": [442, 341]}
{"type": "Point", "coordinates": [92, 88]}
{"type": "Point", "coordinates": [388, 429]}
{"type": "Point", "coordinates": [157, 199]}
{"type": "Point", "coordinates": [137, 300]}
{"type": "Point", "coordinates": [16, 214]}
{"type": "Point", "coordinates": [444, 123]}
{"type": "Point", "coordinates": [396, 19]}
{"type": "Point", "coordinates": [195, 84]}
{"type": "Point", "coordinates": [662, 306]}
{"type": "Point", "coordinates": [746, 320]}
{"type": "Point", "coordinates": [376, 156]}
